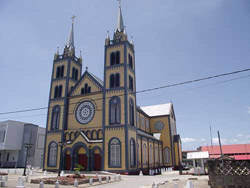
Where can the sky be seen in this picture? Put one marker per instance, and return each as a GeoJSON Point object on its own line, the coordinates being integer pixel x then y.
{"type": "Point", "coordinates": [175, 41]}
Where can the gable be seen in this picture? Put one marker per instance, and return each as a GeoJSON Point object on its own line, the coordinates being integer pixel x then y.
{"type": "Point", "coordinates": [89, 80]}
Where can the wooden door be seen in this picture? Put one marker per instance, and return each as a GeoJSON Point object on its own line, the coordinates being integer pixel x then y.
{"type": "Point", "coordinates": [83, 161]}
{"type": "Point", "coordinates": [97, 162]}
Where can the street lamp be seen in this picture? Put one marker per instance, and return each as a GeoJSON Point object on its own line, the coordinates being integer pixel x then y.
{"type": "Point", "coordinates": [62, 144]}
{"type": "Point", "coordinates": [27, 146]}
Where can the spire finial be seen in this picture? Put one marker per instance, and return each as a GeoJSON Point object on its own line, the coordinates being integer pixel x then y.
{"type": "Point", "coordinates": [73, 18]}
{"type": "Point", "coordinates": [86, 68]}
{"type": "Point", "coordinates": [120, 25]}
{"type": "Point", "coordinates": [120, 3]}
{"type": "Point", "coordinates": [80, 54]}
{"type": "Point", "coordinates": [108, 34]}
{"type": "Point", "coordinates": [71, 36]}
{"type": "Point", "coordinates": [57, 50]}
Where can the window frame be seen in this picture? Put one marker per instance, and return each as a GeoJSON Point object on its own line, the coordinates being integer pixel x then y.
{"type": "Point", "coordinates": [49, 156]}
{"type": "Point", "coordinates": [109, 153]}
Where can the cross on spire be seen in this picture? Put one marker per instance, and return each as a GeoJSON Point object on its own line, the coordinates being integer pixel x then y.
{"type": "Point", "coordinates": [73, 18]}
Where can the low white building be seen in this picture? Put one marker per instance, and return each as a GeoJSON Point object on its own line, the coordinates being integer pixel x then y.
{"type": "Point", "coordinates": [13, 136]}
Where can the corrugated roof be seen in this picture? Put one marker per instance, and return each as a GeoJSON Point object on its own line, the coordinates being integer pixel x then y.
{"type": "Point", "coordinates": [227, 149]}
{"type": "Point", "coordinates": [157, 110]}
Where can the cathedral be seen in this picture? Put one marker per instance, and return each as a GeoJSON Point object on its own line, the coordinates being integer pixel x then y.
{"type": "Point", "coordinates": [97, 124]}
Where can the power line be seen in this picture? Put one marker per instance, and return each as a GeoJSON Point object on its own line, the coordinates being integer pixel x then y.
{"type": "Point", "coordinates": [142, 91]}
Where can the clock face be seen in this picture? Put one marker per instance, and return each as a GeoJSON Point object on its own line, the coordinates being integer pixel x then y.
{"type": "Point", "coordinates": [159, 125]}
{"type": "Point", "coordinates": [85, 112]}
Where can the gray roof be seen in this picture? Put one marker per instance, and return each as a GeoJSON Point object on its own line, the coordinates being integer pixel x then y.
{"type": "Point", "coordinates": [97, 79]}
{"type": "Point", "coordinates": [157, 110]}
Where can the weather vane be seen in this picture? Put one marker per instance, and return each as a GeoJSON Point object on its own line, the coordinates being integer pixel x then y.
{"type": "Point", "coordinates": [73, 17]}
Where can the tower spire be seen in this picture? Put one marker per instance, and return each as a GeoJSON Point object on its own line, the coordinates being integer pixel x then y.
{"type": "Point", "coordinates": [120, 24]}
{"type": "Point", "coordinates": [71, 36]}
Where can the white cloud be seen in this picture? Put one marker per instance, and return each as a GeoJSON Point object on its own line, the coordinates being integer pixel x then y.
{"type": "Point", "coordinates": [240, 135]}
{"type": "Point", "coordinates": [188, 140]}
{"type": "Point", "coordinates": [226, 141]}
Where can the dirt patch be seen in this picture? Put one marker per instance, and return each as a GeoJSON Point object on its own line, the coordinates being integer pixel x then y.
{"type": "Point", "coordinates": [67, 180]}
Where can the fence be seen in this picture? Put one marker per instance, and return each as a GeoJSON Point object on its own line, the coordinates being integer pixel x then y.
{"type": "Point", "coordinates": [236, 174]}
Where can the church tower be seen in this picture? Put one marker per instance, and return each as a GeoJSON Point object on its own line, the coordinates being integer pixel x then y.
{"type": "Point", "coordinates": [119, 123]}
{"type": "Point", "coordinates": [66, 71]}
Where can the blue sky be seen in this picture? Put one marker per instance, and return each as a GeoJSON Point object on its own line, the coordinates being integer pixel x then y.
{"type": "Point", "coordinates": [175, 41]}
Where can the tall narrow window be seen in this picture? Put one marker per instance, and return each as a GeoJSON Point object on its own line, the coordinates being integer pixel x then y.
{"type": "Point", "coordinates": [117, 80]}
{"type": "Point", "coordinates": [76, 74]}
{"type": "Point", "coordinates": [52, 154]}
{"type": "Point", "coordinates": [82, 91]}
{"type": "Point", "coordinates": [115, 152]}
{"type": "Point", "coordinates": [58, 72]}
{"type": "Point", "coordinates": [131, 112]}
{"type": "Point", "coordinates": [166, 155]}
{"type": "Point", "coordinates": [112, 58]}
{"type": "Point", "coordinates": [160, 154]}
{"type": "Point", "coordinates": [117, 57]}
{"type": "Point", "coordinates": [115, 108]}
{"type": "Point", "coordinates": [56, 92]}
{"type": "Point", "coordinates": [130, 61]}
{"type": "Point", "coordinates": [156, 155]}
{"type": "Point", "coordinates": [150, 154]}
{"type": "Point", "coordinates": [62, 71]}
{"type": "Point", "coordinates": [112, 81]}
{"type": "Point", "coordinates": [60, 91]}
{"type": "Point", "coordinates": [144, 154]}
{"type": "Point", "coordinates": [132, 152]}
{"type": "Point", "coordinates": [55, 118]}
{"type": "Point", "coordinates": [131, 83]}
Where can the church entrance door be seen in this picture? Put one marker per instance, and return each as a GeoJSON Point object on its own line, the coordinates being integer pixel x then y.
{"type": "Point", "coordinates": [67, 161]}
{"type": "Point", "coordinates": [97, 162]}
{"type": "Point", "coordinates": [82, 158]}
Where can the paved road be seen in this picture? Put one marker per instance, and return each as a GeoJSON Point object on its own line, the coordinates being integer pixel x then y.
{"type": "Point", "coordinates": [127, 181]}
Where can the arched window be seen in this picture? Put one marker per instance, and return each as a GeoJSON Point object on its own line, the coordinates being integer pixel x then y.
{"type": "Point", "coordinates": [112, 81]}
{"type": "Point", "coordinates": [55, 118]}
{"type": "Point", "coordinates": [130, 61]}
{"type": "Point", "coordinates": [62, 71]}
{"type": "Point", "coordinates": [72, 136]}
{"type": "Point", "coordinates": [82, 91]}
{"type": "Point", "coordinates": [117, 57]}
{"type": "Point", "coordinates": [94, 135]}
{"type": "Point", "coordinates": [132, 152]}
{"type": "Point", "coordinates": [52, 154]}
{"type": "Point", "coordinates": [58, 72]}
{"type": "Point", "coordinates": [56, 90]}
{"type": "Point", "coordinates": [117, 80]}
{"type": "Point", "coordinates": [150, 154]}
{"type": "Point", "coordinates": [131, 112]}
{"type": "Point", "coordinates": [166, 155]}
{"type": "Point", "coordinates": [60, 91]}
{"type": "Point", "coordinates": [115, 152]}
{"type": "Point", "coordinates": [160, 154]}
{"type": "Point", "coordinates": [156, 155]}
{"type": "Point", "coordinates": [114, 110]}
{"type": "Point", "coordinates": [144, 154]}
{"type": "Point", "coordinates": [112, 58]}
{"type": "Point", "coordinates": [100, 134]}
{"type": "Point", "coordinates": [76, 74]}
{"type": "Point", "coordinates": [131, 83]}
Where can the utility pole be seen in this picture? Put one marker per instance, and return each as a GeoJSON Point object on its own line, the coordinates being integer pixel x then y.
{"type": "Point", "coordinates": [222, 160]}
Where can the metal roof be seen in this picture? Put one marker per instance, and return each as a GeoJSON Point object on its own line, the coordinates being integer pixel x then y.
{"type": "Point", "coordinates": [158, 110]}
